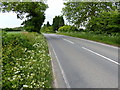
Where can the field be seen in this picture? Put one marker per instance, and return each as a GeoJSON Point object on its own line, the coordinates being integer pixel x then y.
{"type": "Point", "coordinates": [26, 61]}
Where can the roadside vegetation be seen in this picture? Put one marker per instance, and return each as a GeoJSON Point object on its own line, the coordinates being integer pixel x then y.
{"type": "Point", "coordinates": [104, 38]}
{"type": "Point", "coordinates": [101, 21]}
{"type": "Point", "coordinates": [26, 61]}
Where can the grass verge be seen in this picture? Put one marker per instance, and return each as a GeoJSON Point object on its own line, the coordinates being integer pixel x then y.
{"type": "Point", "coordinates": [26, 61]}
{"type": "Point", "coordinates": [108, 39]}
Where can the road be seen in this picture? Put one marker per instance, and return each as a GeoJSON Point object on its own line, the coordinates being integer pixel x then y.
{"type": "Point", "coordinates": [80, 63]}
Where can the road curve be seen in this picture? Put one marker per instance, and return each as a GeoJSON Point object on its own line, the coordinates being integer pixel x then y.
{"type": "Point", "coordinates": [80, 63]}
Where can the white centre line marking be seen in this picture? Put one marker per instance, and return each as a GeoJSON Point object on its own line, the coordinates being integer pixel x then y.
{"type": "Point", "coordinates": [102, 56]}
{"type": "Point", "coordinates": [63, 74]}
{"type": "Point", "coordinates": [68, 41]}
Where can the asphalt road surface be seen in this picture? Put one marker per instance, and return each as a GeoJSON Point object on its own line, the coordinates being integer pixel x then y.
{"type": "Point", "coordinates": [80, 63]}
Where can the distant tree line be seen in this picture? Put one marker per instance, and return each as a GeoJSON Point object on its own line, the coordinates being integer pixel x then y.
{"type": "Point", "coordinates": [13, 29]}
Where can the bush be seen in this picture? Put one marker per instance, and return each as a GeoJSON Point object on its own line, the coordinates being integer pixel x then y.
{"type": "Point", "coordinates": [67, 28]}
{"type": "Point", "coordinates": [47, 29]}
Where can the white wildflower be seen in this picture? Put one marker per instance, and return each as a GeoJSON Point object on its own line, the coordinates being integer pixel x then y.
{"type": "Point", "coordinates": [17, 72]}
{"type": "Point", "coordinates": [25, 85]}
{"type": "Point", "coordinates": [8, 78]}
{"type": "Point", "coordinates": [34, 60]}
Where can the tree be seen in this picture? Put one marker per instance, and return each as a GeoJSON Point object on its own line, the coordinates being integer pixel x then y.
{"type": "Point", "coordinates": [32, 11]}
{"type": "Point", "coordinates": [58, 21]}
{"type": "Point", "coordinates": [79, 13]}
{"type": "Point", "coordinates": [48, 24]}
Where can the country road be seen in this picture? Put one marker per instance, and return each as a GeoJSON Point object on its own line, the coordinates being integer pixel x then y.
{"type": "Point", "coordinates": [80, 63]}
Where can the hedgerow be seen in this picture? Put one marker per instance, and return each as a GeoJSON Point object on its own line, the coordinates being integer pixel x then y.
{"type": "Point", "coordinates": [26, 61]}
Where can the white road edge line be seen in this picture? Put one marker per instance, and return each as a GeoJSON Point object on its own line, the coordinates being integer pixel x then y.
{"type": "Point", "coordinates": [102, 56]}
{"type": "Point", "coordinates": [98, 43]}
{"type": "Point", "coordinates": [63, 74]}
{"type": "Point", "coordinates": [68, 41]}
{"type": "Point", "coordinates": [55, 81]}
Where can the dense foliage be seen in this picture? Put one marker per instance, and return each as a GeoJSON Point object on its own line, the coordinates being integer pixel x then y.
{"type": "Point", "coordinates": [106, 22]}
{"type": "Point", "coordinates": [26, 62]}
{"type": "Point", "coordinates": [32, 11]}
{"type": "Point", "coordinates": [67, 28]}
{"type": "Point", "coordinates": [58, 21]}
{"type": "Point", "coordinates": [79, 13]}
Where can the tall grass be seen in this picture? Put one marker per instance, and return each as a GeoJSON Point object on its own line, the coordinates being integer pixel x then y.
{"type": "Point", "coordinates": [104, 38]}
{"type": "Point", "coordinates": [26, 61]}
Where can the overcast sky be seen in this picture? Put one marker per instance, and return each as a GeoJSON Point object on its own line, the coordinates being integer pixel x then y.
{"type": "Point", "coordinates": [55, 8]}
{"type": "Point", "coordinates": [10, 19]}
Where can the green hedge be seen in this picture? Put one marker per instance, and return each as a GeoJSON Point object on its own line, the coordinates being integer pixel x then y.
{"type": "Point", "coordinates": [67, 28]}
{"type": "Point", "coordinates": [26, 61]}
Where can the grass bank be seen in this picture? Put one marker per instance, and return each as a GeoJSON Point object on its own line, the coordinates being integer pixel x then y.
{"type": "Point", "coordinates": [26, 61]}
{"type": "Point", "coordinates": [104, 38]}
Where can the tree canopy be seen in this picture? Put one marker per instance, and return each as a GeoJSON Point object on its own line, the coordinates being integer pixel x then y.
{"type": "Point", "coordinates": [33, 12]}
{"type": "Point", "coordinates": [79, 13]}
{"type": "Point", "coordinates": [106, 22]}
